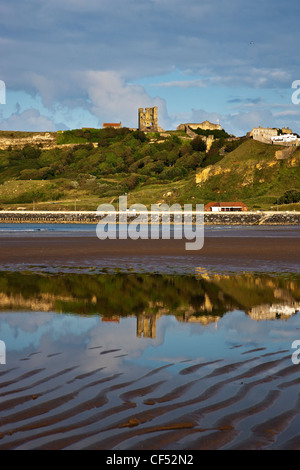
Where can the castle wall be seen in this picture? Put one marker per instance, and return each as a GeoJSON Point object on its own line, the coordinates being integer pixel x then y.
{"type": "Point", "coordinates": [205, 125]}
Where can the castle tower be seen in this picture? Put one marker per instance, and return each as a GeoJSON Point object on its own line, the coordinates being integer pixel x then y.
{"type": "Point", "coordinates": [148, 121]}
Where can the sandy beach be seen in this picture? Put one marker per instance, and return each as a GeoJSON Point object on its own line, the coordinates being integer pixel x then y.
{"type": "Point", "coordinates": [277, 253]}
{"type": "Point", "coordinates": [90, 382]}
{"type": "Point", "coordinates": [248, 403]}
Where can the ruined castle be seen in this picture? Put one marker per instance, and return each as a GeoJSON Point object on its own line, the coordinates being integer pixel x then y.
{"type": "Point", "coordinates": [205, 125]}
{"type": "Point", "coordinates": [148, 120]}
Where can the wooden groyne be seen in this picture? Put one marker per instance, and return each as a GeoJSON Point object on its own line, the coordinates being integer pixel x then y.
{"type": "Point", "coordinates": [89, 217]}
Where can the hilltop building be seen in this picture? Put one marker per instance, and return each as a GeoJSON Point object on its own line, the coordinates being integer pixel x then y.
{"type": "Point", "coordinates": [263, 134]}
{"type": "Point", "coordinates": [284, 138]}
{"type": "Point", "coordinates": [205, 125]}
{"type": "Point", "coordinates": [286, 130]}
{"type": "Point", "coordinates": [112, 125]}
{"type": "Point", "coordinates": [268, 135]}
{"type": "Point", "coordinates": [148, 120]}
{"type": "Point", "coordinates": [189, 128]}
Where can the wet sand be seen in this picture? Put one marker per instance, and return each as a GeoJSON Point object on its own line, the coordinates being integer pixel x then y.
{"type": "Point", "coordinates": [251, 403]}
{"type": "Point", "coordinates": [256, 253]}
{"type": "Point", "coordinates": [80, 248]}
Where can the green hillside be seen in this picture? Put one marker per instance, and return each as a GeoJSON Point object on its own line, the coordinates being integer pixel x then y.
{"type": "Point", "coordinates": [252, 174]}
{"type": "Point", "coordinates": [88, 167]}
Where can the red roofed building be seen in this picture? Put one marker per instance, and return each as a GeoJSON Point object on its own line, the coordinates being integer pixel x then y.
{"type": "Point", "coordinates": [112, 319]}
{"type": "Point", "coordinates": [225, 207]}
{"type": "Point", "coordinates": [112, 125]}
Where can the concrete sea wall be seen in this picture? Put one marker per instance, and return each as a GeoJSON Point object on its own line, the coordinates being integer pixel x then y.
{"type": "Point", "coordinates": [85, 217]}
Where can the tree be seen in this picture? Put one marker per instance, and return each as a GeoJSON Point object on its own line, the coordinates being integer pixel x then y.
{"type": "Point", "coordinates": [198, 144]}
{"type": "Point", "coordinates": [31, 152]}
{"type": "Point", "coordinates": [140, 135]}
{"type": "Point", "coordinates": [131, 182]}
{"type": "Point", "coordinates": [289, 197]}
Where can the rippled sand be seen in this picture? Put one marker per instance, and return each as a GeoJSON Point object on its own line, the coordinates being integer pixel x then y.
{"type": "Point", "coordinates": [248, 399]}
{"type": "Point", "coordinates": [250, 403]}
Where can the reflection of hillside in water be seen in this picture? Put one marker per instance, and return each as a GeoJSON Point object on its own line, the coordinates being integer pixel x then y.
{"type": "Point", "coordinates": [262, 296]}
{"type": "Point", "coordinates": [203, 298]}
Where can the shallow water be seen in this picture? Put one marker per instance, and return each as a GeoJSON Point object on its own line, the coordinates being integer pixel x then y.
{"type": "Point", "coordinates": [85, 230]}
{"type": "Point", "coordinates": [149, 361]}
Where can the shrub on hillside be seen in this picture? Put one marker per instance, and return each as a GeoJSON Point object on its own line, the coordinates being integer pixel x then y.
{"type": "Point", "coordinates": [140, 135]}
{"type": "Point", "coordinates": [217, 133]}
{"type": "Point", "coordinates": [198, 144]}
{"type": "Point", "coordinates": [290, 196]}
{"type": "Point", "coordinates": [131, 182]}
{"type": "Point", "coordinates": [31, 152]}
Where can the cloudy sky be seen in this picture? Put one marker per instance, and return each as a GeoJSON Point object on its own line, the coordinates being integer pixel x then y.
{"type": "Point", "coordinates": [78, 63]}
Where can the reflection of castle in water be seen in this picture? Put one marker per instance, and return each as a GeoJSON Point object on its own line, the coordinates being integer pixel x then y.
{"type": "Point", "coordinates": [146, 325]}
{"type": "Point", "coordinates": [201, 299]}
{"type": "Point", "coordinates": [146, 321]}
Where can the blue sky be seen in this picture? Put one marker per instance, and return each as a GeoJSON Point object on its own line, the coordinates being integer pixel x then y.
{"type": "Point", "coordinates": [74, 63]}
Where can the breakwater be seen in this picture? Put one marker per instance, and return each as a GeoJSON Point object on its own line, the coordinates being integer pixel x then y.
{"type": "Point", "coordinates": [210, 218]}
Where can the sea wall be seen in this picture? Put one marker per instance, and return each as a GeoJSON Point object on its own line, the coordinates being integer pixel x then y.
{"type": "Point", "coordinates": [84, 217]}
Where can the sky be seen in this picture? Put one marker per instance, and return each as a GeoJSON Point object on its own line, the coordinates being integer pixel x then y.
{"type": "Point", "coordinates": [78, 63]}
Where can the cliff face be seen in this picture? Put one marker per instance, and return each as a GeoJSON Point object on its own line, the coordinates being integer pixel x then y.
{"type": "Point", "coordinates": [46, 139]}
{"type": "Point", "coordinates": [253, 170]}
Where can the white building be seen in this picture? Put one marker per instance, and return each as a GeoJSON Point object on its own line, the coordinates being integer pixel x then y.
{"type": "Point", "coordinates": [284, 138]}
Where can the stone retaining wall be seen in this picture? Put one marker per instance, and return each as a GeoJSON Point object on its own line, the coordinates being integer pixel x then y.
{"type": "Point", "coordinates": [222, 218]}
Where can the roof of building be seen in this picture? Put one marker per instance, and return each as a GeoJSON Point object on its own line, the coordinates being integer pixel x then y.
{"type": "Point", "coordinates": [225, 204]}
{"type": "Point", "coordinates": [111, 124]}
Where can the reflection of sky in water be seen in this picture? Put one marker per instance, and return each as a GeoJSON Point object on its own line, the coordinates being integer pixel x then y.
{"type": "Point", "coordinates": [192, 341]}
{"type": "Point", "coordinates": [124, 342]}
{"type": "Point", "coordinates": [175, 342]}
{"type": "Point", "coordinates": [27, 329]}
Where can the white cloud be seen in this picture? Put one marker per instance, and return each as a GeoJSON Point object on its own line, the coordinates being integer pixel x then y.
{"type": "Point", "coordinates": [242, 122]}
{"type": "Point", "coordinates": [74, 51]}
{"type": "Point", "coordinates": [114, 100]}
{"type": "Point", "coordinates": [29, 120]}
{"type": "Point", "coordinates": [199, 83]}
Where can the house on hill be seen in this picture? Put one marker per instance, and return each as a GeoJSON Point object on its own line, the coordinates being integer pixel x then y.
{"type": "Point", "coordinates": [269, 135]}
{"type": "Point", "coordinates": [112, 125]}
{"type": "Point", "coordinates": [263, 134]}
{"type": "Point", "coordinates": [225, 207]}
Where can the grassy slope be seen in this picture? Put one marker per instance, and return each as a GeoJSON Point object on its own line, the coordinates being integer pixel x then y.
{"type": "Point", "coordinates": [250, 173]}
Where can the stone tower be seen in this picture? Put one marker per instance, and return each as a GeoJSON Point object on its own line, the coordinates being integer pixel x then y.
{"type": "Point", "coordinates": [148, 121]}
